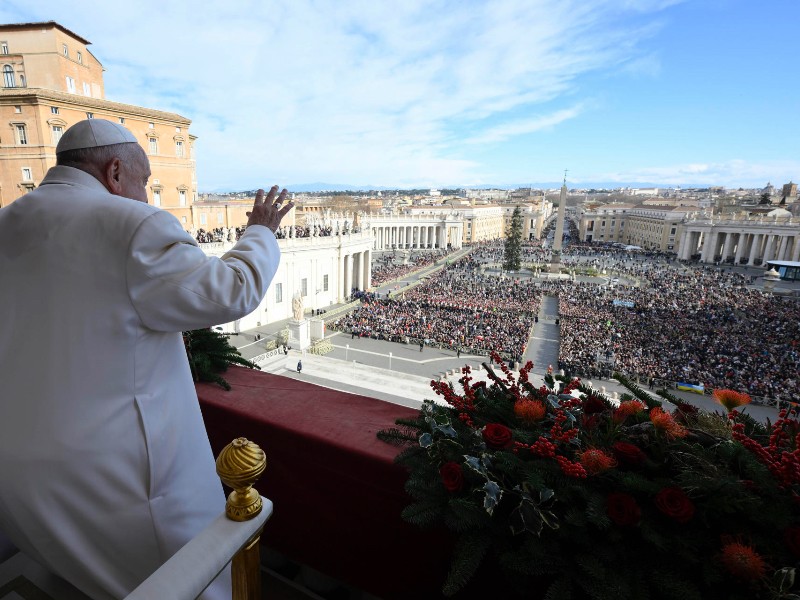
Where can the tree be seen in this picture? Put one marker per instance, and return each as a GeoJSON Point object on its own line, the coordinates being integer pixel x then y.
{"type": "Point", "coordinates": [512, 257]}
{"type": "Point", "coordinates": [765, 198]}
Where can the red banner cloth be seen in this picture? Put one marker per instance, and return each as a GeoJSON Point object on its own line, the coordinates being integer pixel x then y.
{"type": "Point", "coordinates": [337, 492]}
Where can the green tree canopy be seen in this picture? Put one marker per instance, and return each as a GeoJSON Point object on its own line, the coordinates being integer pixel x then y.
{"type": "Point", "coordinates": [512, 258]}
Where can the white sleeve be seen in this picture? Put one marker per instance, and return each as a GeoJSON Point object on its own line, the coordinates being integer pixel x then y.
{"type": "Point", "coordinates": [174, 286]}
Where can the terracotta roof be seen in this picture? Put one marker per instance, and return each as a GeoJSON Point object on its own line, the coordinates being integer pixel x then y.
{"type": "Point", "coordinates": [41, 24]}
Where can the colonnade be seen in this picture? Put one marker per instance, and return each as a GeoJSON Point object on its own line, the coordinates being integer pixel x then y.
{"type": "Point", "coordinates": [354, 272]}
{"type": "Point", "coordinates": [417, 236]}
{"type": "Point", "coordinates": [743, 246]}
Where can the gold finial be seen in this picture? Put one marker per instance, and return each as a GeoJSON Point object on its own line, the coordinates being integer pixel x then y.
{"type": "Point", "coordinates": [239, 466]}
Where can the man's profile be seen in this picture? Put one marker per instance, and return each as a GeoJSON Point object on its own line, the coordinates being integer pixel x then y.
{"type": "Point", "coordinates": [106, 466]}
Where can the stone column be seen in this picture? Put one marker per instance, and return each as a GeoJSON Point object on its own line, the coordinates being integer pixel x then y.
{"type": "Point", "coordinates": [781, 254]}
{"type": "Point", "coordinates": [796, 248]}
{"type": "Point", "coordinates": [359, 270]}
{"type": "Point", "coordinates": [340, 283]}
{"type": "Point", "coordinates": [348, 274]}
{"type": "Point", "coordinates": [740, 242]}
{"type": "Point", "coordinates": [726, 246]}
{"type": "Point", "coordinates": [754, 244]}
{"type": "Point", "coordinates": [768, 249]}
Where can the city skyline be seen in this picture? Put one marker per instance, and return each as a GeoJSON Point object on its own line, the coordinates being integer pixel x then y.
{"type": "Point", "coordinates": [442, 94]}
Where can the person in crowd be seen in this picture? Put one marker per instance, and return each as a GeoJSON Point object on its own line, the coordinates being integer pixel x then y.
{"type": "Point", "coordinates": [106, 465]}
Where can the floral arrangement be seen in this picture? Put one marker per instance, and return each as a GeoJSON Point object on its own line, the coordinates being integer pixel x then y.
{"type": "Point", "coordinates": [569, 495]}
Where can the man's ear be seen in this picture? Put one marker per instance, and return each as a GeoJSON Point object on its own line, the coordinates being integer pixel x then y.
{"type": "Point", "coordinates": [112, 176]}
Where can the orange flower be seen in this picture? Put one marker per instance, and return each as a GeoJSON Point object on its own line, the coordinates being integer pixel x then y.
{"type": "Point", "coordinates": [626, 409]}
{"type": "Point", "coordinates": [742, 561]}
{"type": "Point", "coordinates": [529, 411]}
{"type": "Point", "coordinates": [596, 461]}
{"type": "Point", "coordinates": [663, 421]}
{"type": "Point", "coordinates": [730, 399]}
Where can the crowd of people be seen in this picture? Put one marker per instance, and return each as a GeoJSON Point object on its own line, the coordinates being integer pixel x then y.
{"type": "Point", "coordinates": [458, 308]}
{"type": "Point", "coordinates": [390, 266]}
{"type": "Point", "coordinates": [692, 325]}
{"type": "Point", "coordinates": [218, 234]}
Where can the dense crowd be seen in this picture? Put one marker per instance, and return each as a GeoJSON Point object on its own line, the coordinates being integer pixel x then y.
{"type": "Point", "coordinates": [390, 267]}
{"type": "Point", "coordinates": [699, 326]}
{"type": "Point", "coordinates": [457, 308]}
{"type": "Point", "coordinates": [218, 234]}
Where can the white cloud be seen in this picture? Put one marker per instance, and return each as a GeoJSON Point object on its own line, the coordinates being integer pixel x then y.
{"type": "Point", "coordinates": [361, 91]}
{"type": "Point", "coordinates": [732, 173]}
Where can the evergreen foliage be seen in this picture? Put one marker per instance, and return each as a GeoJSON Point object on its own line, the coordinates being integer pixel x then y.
{"type": "Point", "coordinates": [210, 353]}
{"type": "Point", "coordinates": [512, 256]}
{"type": "Point", "coordinates": [573, 496]}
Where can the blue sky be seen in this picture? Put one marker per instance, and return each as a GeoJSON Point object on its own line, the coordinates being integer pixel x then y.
{"type": "Point", "coordinates": [413, 93]}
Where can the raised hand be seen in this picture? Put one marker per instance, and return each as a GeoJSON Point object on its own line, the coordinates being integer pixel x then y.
{"type": "Point", "coordinates": [269, 211]}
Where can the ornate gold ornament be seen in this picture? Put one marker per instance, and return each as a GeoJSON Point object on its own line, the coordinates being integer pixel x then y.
{"type": "Point", "coordinates": [239, 466]}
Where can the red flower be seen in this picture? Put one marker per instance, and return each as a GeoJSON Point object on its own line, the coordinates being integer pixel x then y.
{"type": "Point", "coordinates": [674, 503]}
{"type": "Point", "coordinates": [663, 421]}
{"type": "Point", "coordinates": [497, 436]}
{"type": "Point", "coordinates": [742, 561]}
{"type": "Point", "coordinates": [626, 409]}
{"type": "Point", "coordinates": [730, 399]}
{"type": "Point", "coordinates": [622, 509]}
{"type": "Point", "coordinates": [596, 461]}
{"type": "Point", "coordinates": [529, 411]}
{"type": "Point", "coordinates": [792, 539]}
{"type": "Point", "coordinates": [628, 454]}
{"type": "Point", "coordinates": [452, 476]}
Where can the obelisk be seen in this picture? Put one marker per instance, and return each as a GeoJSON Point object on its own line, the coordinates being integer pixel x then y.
{"type": "Point", "coordinates": [555, 262]}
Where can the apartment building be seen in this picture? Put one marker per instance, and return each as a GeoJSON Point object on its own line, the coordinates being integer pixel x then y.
{"type": "Point", "coordinates": [52, 80]}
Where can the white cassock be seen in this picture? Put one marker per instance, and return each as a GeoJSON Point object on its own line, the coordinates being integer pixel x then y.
{"type": "Point", "coordinates": [105, 465]}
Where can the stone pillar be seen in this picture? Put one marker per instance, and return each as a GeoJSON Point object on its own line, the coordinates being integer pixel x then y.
{"type": "Point", "coordinates": [768, 249]}
{"type": "Point", "coordinates": [359, 270]}
{"type": "Point", "coordinates": [348, 275]}
{"type": "Point", "coordinates": [340, 284]}
{"type": "Point", "coordinates": [726, 245]}
{"type": "Point", "coordinates": [740, 242]}
{"type": "Point", "coordinates": [796, 248]}
{"type": "Point", "coordinates": [754, 244]}
{"type": "Point", "coordinates": [367, 269]}
{"type": "Point", "coordinates": [781, 254]}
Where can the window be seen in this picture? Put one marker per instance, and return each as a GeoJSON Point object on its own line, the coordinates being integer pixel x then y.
{"type": "Point", "coordinates": [27, 175]}
{"type": "Point", "coordinates": [58, 131]}
{"type": "Point", "coordinates": [304, 287]}
{"type": "Point", "coordinates": [153, 145]}
{"type": "Point", "coordinates": [89, 115]}
{"type": "Point", "coordinates": [87, 89]}
{"type": "Point", "coordinates": [157, 200]}
{"type": "Point", "coordinates": [203, 219]}
{"type": "Point", "coordinates": [122, 120]}
{"type": "Point", "coordinates": [54, 110]}
{"type": "Point", "coordinates": [8, 76]}
{"type": "Point", "coordinates": [22, 134]}
{"type": "Point", "coordinates": [179, 149]}
{"type": "Point", "coordinates": [177, 130]}
{"type": "Point", "coordinates": [182, 197]}
{"type": "Point", "coordinates": [3, 47]}
{"type": "Point", "coordinates": [324, 283]}
{"type": "Point", "coordinates": [151, 125]}
{"type": "Point", "coordinates": [70, 85]}
{"type": "Point", "coordinates": [278, 293]}
{"type": "Point", "coordinates": [17, 109]}
{"type": "Point", "coordinates": [80, 57]}
{"type": "Point", "coordinates": [65, 50]}
{"type": "Point", "coordinates": [220, 218]}
{"type": "Point", "coordinates": [183, 219]}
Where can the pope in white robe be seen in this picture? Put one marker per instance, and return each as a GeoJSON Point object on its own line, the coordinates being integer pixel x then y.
{"type": "Point", "coordinates": [105, 465]}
